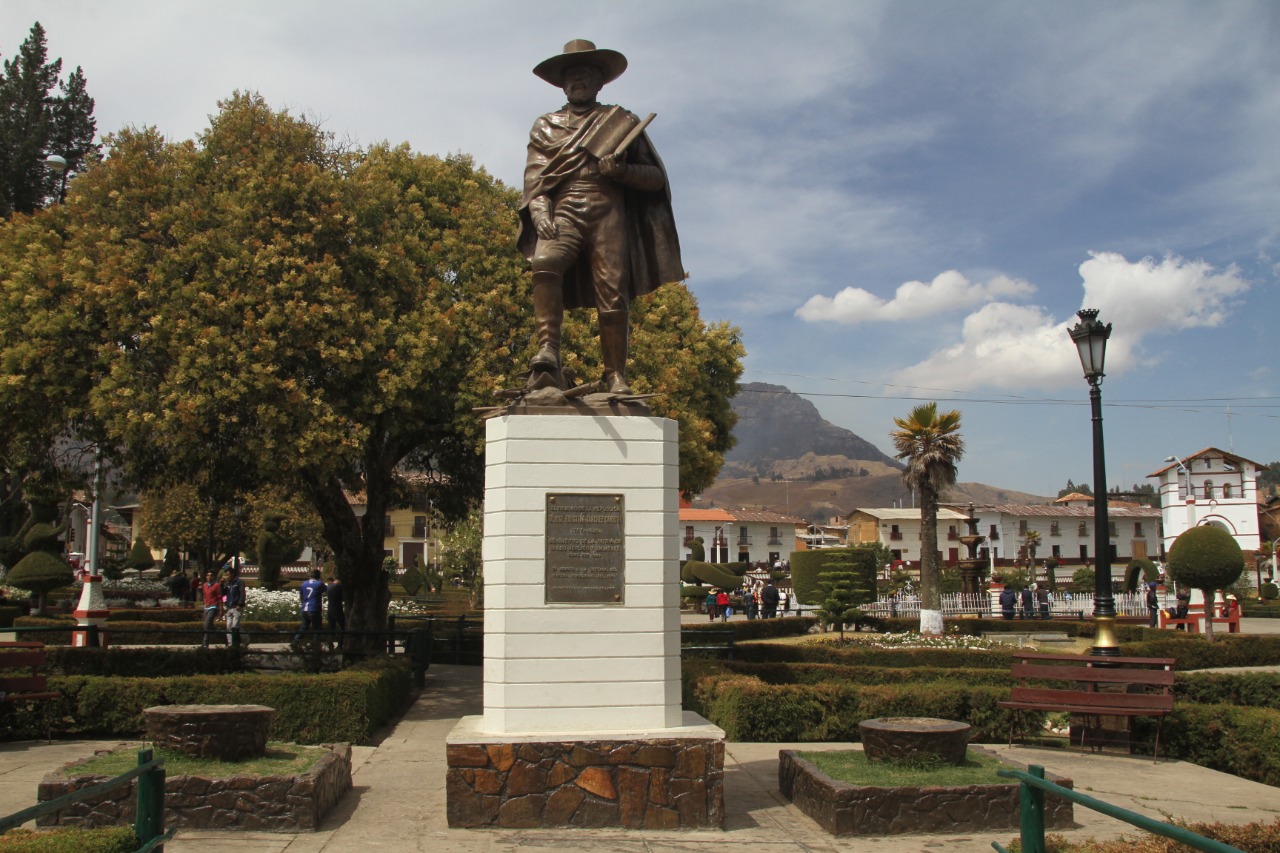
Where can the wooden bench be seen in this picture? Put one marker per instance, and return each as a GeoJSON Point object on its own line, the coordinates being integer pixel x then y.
{"type": "Point", "coordinates": [32, 685]}
{"type": "Point", "coordinates": [1192, 622]}
{"type": "Point", "coordinates": [1095, 687]}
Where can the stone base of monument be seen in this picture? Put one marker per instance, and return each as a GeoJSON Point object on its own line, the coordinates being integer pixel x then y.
{"type": "Point", "coordinates": [844, 809]}
{"type": "Point", "coordinates": [663, 779]}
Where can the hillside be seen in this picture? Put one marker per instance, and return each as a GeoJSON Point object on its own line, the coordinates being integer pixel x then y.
{"type": "Point", "coordinates": [790, 459]}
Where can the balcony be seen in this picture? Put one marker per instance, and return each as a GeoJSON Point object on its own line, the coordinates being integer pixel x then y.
{"type": "Point", "coordinates": [895, 536]}
{"type": "Point", "coordinates": [419, 531]}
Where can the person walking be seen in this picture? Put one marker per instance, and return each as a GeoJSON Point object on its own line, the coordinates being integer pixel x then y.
{"type": "Point", "coordinates": [711, 605]}
{"type": "Point", "coordinates": [1153, 606]}
{"type": "Point", "coordinates": [234, 596]}
{"type": "Point", "coordinates": [722, 604]}
{"type": "Point", "coordinates": [1028, 603]}
{"type": "Point", "coordinates": [212, 592]}
{"type": "Point", "coordinates": [311, 597]}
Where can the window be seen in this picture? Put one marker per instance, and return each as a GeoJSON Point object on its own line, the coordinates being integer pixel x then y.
{"type": "Point", "coordinates": [1082, 529]}
{"type": "Point", "coordinates": [1053, 529]}
{"type": "Point", "coordinates": [388, 529]}
{"type": "Point", "coordinates": [743, 539]}
{"type": "Point", "coordinates": [1084, 552]}
{"type": "Point", "coordinates": [894, 532]}
{"type": "Point", "coordinates": [773, 536]}
{"type": "Point", "coordinates": [1111, 529]}
{"type": "Point", "coordinates": [1022, 527]}
{"type": "Point", "coordinates": [1137, 529]}
{"type": "Point", "coordinates": [1208, 490]}
{"type": "Point", "coordinates": [994, 533]}
{"type": "Point", "coordinates": [419, 527]}
{"type": "Point", "coordinates": [1226, 490]}
{"type": "Point", "coordinates": [688, 534]}
{"type": "Point", "coordinates": [951, 533]}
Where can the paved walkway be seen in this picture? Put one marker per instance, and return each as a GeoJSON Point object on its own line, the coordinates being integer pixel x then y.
{"type": "Point", "coordinates": [398, 800]}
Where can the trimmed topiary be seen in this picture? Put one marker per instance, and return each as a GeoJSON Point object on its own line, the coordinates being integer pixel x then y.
{"type": "Point", "coordinates": [140, 556]}
{"type": "Point", "coordinates": [42, 570]}
{"type": "Point", "coordinates": [1206, 558]}
{"type": "Point", "coordinates": [807, 566]}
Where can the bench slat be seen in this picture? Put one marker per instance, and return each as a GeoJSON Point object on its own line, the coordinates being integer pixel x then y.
{"type": "Point", "coordinates": [1050, 699]}
{"type": "Point", "coordinates": [1093, 675]}
{"type": "Point", "coordinates": [1098, 662]}
{"type": "Point", "coordinates": [21, 659]}
{"type": "Point", "coordinates": [24, 684]}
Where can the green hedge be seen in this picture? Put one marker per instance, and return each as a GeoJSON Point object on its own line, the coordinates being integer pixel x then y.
{"type": "Point", "coordinates": [157, 614]}
{"type": "Point", "coordinates": [1194, 652]}
{"type": "Point", "coordinates": [1256, 689]}
{"type": "Point", "coordinates": [863, 656]}
{"type": "Point", "coordinates": [1242, 741]}
{"type": "Point", "coordinates": [750, 710]}
{"type": "Point", "coordinates": [152, 633]}
{"type": "Point", "coordinates": [344, 706]}
{"type": "Point", "coordinates": [758, 629]}
{"type": "Point", "coordinates": [807, 566]}
{"type": "Point", "coordinates": [70, 839]}
{"type": "Point", "coordinates": [142, 662]}
{"type": "Point", "coordinates": [817, 673]}
{"type": "Point", "coordinates": [776, 701]}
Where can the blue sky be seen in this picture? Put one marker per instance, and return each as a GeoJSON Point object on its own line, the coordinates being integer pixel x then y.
{"type": "Point", "coordinates": [895, 201]}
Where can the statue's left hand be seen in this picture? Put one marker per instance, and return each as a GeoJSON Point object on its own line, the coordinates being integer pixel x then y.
{"type": "Point", "coordinates": [613, 167]}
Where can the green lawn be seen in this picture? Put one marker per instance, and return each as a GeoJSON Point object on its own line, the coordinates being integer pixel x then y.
{"type": "Point", "coordinates": [853, 767]}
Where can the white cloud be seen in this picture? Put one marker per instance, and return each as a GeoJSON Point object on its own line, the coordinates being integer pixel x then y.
{"type": "Point", "coordinates": [912, 300]}
{"type": "Point", "coordinates": [1018, 348]}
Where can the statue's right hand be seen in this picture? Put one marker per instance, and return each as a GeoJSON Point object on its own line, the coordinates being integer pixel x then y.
{"type": "Point", "coordinates": [546, 227]}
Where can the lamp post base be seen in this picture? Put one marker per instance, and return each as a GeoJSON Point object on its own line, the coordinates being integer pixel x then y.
{"type": "Point", "coordinates": [1105, 643]}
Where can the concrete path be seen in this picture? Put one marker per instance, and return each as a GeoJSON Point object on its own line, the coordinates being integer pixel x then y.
{"type": "Point", "coordinates": [398, 800]}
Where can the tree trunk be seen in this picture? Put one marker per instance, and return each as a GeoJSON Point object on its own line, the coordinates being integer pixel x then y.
{"type": "Point", "coordinates": [930, 580]}
{"type": "Point", "coordinates": [357, 550]}
{"type": "Point", "coordinates": [1208, 614]}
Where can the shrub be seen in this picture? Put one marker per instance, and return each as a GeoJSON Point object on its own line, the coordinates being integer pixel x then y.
{"type": "Point", "coordinates": [807, 566]}
{"type": "Point", "coordinates": [1194, 653]}
{"type": "Point", "coordinates": [345, 706]}
{"type": "Point", "coordinates": [140, 556]}
{"type": "Point", "coordinates": [141, 662]}
{"type": "Point", "coordinates": [865, 656]}
{"type": "Point", "coordinates": [71, 839]}
{"type": "Point", "coordinates": [1270, 591]}
{"type": "Point", "coordinates": [1241, 741]}
{"type": "Point", "coordinates": [1257, 689]}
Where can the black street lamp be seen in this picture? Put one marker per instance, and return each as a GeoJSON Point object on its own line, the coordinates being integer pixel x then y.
{"type": "Point", "coordinates": [1090, 337]}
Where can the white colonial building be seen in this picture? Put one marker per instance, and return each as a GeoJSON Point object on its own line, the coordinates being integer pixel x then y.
{"type": "Point", "coordinates": [898, 529]}
{"type": "Point", "coordinates": [739, 535]}
{"type": "Point", "coordinates": [1210, 487]}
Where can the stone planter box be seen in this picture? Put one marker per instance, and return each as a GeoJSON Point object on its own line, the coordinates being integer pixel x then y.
{"type": "Point", "coordinates": [258, 803]}
{"type": "Point", "coordinates": [844, 809]}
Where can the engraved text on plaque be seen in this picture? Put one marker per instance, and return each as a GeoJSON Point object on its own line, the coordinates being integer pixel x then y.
{"type": "Point", "coordinates": [585, 555]}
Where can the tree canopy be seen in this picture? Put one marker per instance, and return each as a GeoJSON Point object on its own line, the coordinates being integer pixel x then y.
{"type": "Point", "coordinates": [35, 122]}
{"type": "Point", "coordinates": [1206, 558]}
{"type": "Point", "coordinates": [262, 306]}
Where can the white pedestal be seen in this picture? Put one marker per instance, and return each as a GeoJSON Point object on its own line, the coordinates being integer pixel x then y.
{"type": "Point", "coordinates": [586, 668]}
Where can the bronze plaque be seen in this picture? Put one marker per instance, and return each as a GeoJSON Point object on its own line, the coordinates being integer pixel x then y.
{"type": "Point", "coordinates": [585, 558]}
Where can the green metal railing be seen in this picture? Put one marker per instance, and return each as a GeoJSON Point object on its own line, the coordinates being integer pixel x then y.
{"type": "Point", "coordinates": [148, 824]}
{"type": "Point", "coordinates": [1031, 793]}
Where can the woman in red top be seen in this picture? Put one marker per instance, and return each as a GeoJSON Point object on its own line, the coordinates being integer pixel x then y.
{"type": "Point", "coordinates": [212, 603]}
{"type": "Point", "coordinates": [722, 604]}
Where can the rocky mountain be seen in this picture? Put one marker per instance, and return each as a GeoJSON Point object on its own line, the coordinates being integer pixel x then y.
{"type": "Point", "coordinates": [776, 425]}
{"type": "Point", "coordinates": [790, 459]}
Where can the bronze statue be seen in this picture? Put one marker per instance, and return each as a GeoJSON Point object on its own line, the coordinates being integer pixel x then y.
{"type": "Point", "coordinates": [595, 219]}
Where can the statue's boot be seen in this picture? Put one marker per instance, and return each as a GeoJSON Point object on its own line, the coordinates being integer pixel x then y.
{"type": "Point", "coordinates": [548, 317]}
{"type": "Point", "coordinates": [613, 350]}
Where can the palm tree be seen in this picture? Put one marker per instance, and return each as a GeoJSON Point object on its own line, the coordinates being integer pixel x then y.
{"type": "Point", "coordinates": [1031, 541]}
{"type": "Point", "coordinates": [931, 446]}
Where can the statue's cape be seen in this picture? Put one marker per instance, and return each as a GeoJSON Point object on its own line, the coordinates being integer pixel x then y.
{"type": "Point", "coordinates": [653, 247]}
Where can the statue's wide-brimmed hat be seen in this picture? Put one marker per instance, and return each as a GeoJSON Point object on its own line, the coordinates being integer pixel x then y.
{"type": "Point", "coordinates": [582, 52]}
